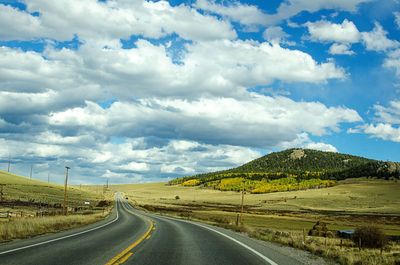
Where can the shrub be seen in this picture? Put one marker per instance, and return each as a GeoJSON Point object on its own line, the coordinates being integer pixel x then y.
{"type": "Point", "coordinates": [177, 197]}
{"type": "Point", "coordinates": [369, 237]}
{"type": "Point", "coordinates": [191, 183]}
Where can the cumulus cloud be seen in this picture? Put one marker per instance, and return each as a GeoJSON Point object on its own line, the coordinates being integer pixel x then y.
{"type": "Point", "coordinates": [321, 147]}
{"type": "Point", "coordinates": [251, 15]}
{"type": "Point", "coordinates": [340, 48]}
{"type": "Point", "coordinates": [325, 31]}
{"type": "Point", "coordinates": [245, 14]}
{"type": "Point", "coordinates": [387, 123]}
{"type": "Point", "coordinates": [392, 61]}
{"type": "Point", "coordinates": [290, 8]}
{"type": "Point", "coordinates": [17, 25]}
{"type": "Point", "coordinates": [377, 40]}
{"type": "Point", "coordinates": [275, 34]}
{"type": "Point", "coordinates": [168, 118]}
{"type": "Point", "coordinates": [127, 73]}
{"type": "Point", "coordinates": [140, 112]}
{"type": "Point", "coordinates": [104, 21]}
{"type": "Point", "coordinates": [380, 130]}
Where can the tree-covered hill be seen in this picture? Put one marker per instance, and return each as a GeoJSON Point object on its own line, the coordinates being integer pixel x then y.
{"type": "Point", "coordinates": [300, 166]}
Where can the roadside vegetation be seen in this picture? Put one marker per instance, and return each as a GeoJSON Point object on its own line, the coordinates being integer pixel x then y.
{"type": "Point", "coordinates": [18, 228]}
{"type": "Point", "coordinates": [30, 207]}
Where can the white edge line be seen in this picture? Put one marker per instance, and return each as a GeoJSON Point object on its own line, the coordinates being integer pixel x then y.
{"type": "Point", "coordinates": [238, 242]}
{"type": "Point", "coordinates": [271, 262]}
{"type": "Point", "coordinates": [63, 237]}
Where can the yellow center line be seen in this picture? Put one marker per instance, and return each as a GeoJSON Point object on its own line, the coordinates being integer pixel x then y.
{"type": "Point", "coordinates": [124, 258]}
{"type": "Point", "coordinates": [118, 258]}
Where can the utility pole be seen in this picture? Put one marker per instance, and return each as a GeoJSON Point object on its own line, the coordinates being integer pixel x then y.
{"type": "Point", "coordinates": [9, 163]}
{"type": "Point", "coordinates": [107, 183]}
{"type": "Point", "coordinates": [65, 191]}
{"type": "Point", "coordinates": [48, 177]}
{"type": "Point", "coordinates": [30, 176]}
{"type": "Point", "coordinates": [241, 210]}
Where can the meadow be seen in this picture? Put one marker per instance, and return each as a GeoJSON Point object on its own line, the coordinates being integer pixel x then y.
{"type": "Point", "coordinates": [286, 217]}
{"type": "Point", "coordinates": [29, 207]}
{"type": "Point", "coordinates": [24, 189]}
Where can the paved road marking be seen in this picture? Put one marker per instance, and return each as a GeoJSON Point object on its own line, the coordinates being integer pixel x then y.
{"type": "Point", "coordinates": [238, 242]}
{"type": "Point", "coordinates": [63, 237]}
{"type": "Point", "coordinates": [124, 258]}
{"type": "Point", "coordinates": [271, 262]}
{"type": "Point", "coordinates": [117, 259]}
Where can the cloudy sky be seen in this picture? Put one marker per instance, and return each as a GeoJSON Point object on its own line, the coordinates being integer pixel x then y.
{"type": "Point", "coordinates": [138, 91]}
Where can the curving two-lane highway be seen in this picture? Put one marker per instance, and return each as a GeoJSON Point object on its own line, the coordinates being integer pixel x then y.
{"type": "Point", "coordinates": [130, 236]}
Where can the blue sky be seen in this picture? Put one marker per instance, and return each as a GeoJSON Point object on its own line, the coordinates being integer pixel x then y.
{"type": "Point", "coordinates": [139, 91]}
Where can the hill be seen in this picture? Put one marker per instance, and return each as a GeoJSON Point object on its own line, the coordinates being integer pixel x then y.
{"type": "Point", "coordinates": [17, 188]}
{"type": "Point", "coordinates": [293, 169]}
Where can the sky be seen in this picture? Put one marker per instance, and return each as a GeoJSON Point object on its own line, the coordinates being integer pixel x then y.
{"type": "Point", "coordinates": [136, 91]}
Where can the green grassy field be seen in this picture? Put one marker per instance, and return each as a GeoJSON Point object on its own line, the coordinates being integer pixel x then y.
{"type": "Point", "coordinates": [349, 204]}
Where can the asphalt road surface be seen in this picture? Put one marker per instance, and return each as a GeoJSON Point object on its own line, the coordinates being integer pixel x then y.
{"type": "Point", "coordinates": [130, 236]}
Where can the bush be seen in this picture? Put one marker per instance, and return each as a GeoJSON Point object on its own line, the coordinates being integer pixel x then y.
{"type": "Point", "coordinates": [177, 197]}
{"type": "Point", "coordinates": [369, 237]}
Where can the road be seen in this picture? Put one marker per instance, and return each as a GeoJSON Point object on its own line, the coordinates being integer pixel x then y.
{"type": "Point", "coordinates": [130, 236]}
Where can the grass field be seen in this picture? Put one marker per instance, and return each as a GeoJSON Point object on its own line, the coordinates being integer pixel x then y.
{"type": "Point", "coordinates": [347, 205]}
{"type": "Point", "coordinates": [24, 189]}
{"type": "Point", "coordinates": [286, 217]}
{"type": "Point", "coordinates": [26, 204]}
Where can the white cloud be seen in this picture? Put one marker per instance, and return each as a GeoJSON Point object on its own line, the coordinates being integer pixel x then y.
{"type": "Point", "coordinates": [321, 147]}
{"type": "Point", "coordinates": [245, 14]}
{"type": "Point", "coordinates": [393, 61]}
{"type": "Point", "coordinates": [397, 18]}
{"type": "Point", "coordinates": [387, 123]}
{"type": "Point", "coordinates": [146, 113]}
{"type": "Point", "coordinates": [57, 79]}
{"type": "Point", "coordinates": [326, 31]}
{"type": "Point", "coordinates": [290, 8]}
{"type": "Point", "coordinates": [248, 64]}
{"type": "Point", "coordinates": [340, 48]}
{"type": "Point", "coordinates": [376, 40]}
{"type": "Point", "coordinates": [174, 118]}
{"type": "Point", "coordinates": [17, 25]}
{"type": "Point", "coordinates": [276, 35]}
{"type": "Point", "coordinates": [92, 20]}
{"type": "Point", "coordinates": [389, 114]}
{"type": "Point", "coordinates": [251, 15]}
{"type": "Point", "coordinates": [382, 130]}
{"type": "Point", "coordinates": [303, 140]}
{"type": "Point", "coordinates": [135, 166]}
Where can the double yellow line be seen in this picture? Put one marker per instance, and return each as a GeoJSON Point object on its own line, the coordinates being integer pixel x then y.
{"type": "Point", "coordinates": [125, 254]}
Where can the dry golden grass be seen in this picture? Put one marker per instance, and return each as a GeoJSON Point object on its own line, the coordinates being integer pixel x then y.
{"type": "Point", "coordinates": [28, 227]}
{"type": "Point", "coordinates": [24, 189]}
{"type": "Point", "coordinates": [342, 251]}
{"type": "Point", "coordinates": [353, 196]}
{"type": "Point", "coordinates": [282, 216]}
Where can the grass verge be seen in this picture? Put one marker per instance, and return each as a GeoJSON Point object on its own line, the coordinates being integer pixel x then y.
{"type": "Point", "coordinates": [29, 227]}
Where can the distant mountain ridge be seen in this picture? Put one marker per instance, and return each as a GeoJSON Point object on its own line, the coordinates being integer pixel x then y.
{"type": "Point", "coordinates": [304, 164]}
